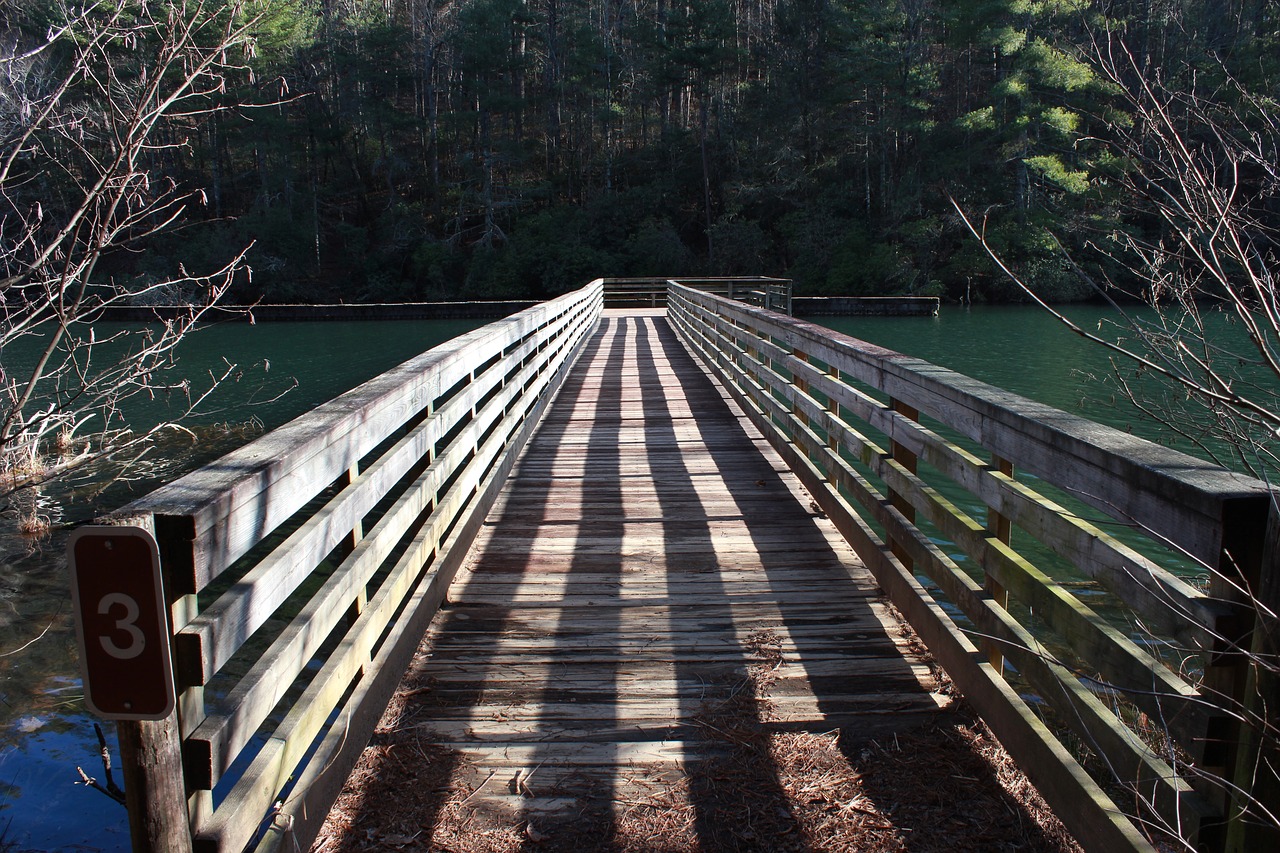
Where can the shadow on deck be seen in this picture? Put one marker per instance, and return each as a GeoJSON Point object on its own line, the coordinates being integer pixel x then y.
{"type": "Point", "coordinates": [659, 644]}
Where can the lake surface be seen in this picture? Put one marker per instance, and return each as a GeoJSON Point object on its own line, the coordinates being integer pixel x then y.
{"type": "Point", "coordinates": [1024, 349]}
{"type": "Point", "coordinates": [44, 731]}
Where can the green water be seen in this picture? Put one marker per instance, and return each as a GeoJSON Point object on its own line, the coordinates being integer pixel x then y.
{"type": "Point", "coordinates": [1017, 348]}
{"type": "Point", "coordinates": [1025, 350]}
{"type": "Point", "coordinates": [285, 369]}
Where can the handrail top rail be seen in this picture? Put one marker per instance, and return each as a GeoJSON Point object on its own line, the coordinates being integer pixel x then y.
{"type": "Point", "coordinates": [258, 457]}
{"type": "Point", "coordinates": [1183, 498]}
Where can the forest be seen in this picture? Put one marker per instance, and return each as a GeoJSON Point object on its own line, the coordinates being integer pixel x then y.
{"type": "Point", "coordinates": [483, 149]}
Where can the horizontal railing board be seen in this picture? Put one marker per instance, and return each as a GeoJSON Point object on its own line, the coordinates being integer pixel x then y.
{"type": "Point", "coordinates": [219, 512]}
{"type": "Point", "coordinates": [1178, 497]}
{"type": "Point", "coordinates": [209, 641]}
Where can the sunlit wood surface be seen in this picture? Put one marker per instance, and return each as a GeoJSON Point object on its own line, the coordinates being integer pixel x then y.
{"type": "Point", "coordinates": [651, 575]}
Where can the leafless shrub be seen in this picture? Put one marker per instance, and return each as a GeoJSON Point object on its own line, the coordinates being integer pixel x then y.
{"type": "Point", "coordinates": [1197, 165]}
{"type": "Point", "coordinates": [93, 113]}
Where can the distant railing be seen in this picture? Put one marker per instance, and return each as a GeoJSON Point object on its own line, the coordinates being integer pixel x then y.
{"type": "Point", "coordinates": [847, 417]}
{"type": "Point", "coordinates": [303, 569]}
{"type": "Point", "coordinates": [761, 291]}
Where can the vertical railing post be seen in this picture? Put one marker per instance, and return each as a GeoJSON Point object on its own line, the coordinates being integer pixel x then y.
{"type": "Point", "coordinates": [352, 540]}
{"type": "Point", "coordinates": [833, 434]}
{"type": "Point", "coordinates": [904, 457]}
{"type": "Point", "coordinates": [1001, 529]}
{"type": "Point", "coordinates": [155, 790]}
{"type": "Point", "coordinates": [802, 386]}
{"type": "Point", "coordinates": [1255, 776]}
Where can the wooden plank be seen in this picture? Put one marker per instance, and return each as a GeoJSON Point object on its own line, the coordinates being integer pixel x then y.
{"type": "Point", "coordinates": [865, 626]}
{"type": "Point", "coordinates": [802, 705]}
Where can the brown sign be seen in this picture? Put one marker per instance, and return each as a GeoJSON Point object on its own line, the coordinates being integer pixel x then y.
{"type": "Point", "coordinates": [121, 623]}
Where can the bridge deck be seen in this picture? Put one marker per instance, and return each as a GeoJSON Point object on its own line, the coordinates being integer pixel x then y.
{"type": "Point", "coordinates": [651, 591]}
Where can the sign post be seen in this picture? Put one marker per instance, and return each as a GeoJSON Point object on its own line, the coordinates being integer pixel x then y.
{"type": "Point", "coordinates": [122, 623]}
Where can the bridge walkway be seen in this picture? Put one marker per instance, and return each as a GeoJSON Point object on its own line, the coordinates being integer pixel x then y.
{"type": "Point", "coordinates": [652, 588]}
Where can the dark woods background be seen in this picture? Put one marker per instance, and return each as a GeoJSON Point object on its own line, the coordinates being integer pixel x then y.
{"type": "Point", "coordinates": [447, 149]}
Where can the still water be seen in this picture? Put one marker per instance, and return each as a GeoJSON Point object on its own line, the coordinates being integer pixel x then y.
{"type": "Point", "coordinates": [1021, 349]}
{"type": "Point", "coordinates": [288, 368]}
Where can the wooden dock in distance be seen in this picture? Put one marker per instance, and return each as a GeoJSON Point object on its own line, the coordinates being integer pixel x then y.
{"type": "Point", "coordinates": [652, 580]}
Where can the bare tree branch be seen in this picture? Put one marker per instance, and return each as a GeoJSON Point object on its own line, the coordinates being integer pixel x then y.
{"type": "Point", "coordinates": [95, 105]}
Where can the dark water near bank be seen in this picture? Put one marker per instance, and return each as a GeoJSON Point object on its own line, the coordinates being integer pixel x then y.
{"type": "Point", "coordinates": [44, 731]}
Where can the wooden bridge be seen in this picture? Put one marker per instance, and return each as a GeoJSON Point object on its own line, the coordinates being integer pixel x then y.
{"type": "Point", "coordinates": [613, 525]}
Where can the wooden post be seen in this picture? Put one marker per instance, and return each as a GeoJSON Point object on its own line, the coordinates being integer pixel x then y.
{"type": "Point", "coordinates": [352, 540]}
{"type": "Point", "coordinates": [151, 758]}
{"type": "Point", "coordinates": [1001, 529]}
{"type": "Point", "coordinates": [833, 438]}
{"type": "Point", "coordinates": [1253, 822]}
{"type": "Point", "coordinates": [802, 385]}
{"type": "Point", "coordinates": [906, 459]}
{"type": "Point", "coordinates": [151, 764]}
{"type": "Point", "coordinates": [1245, 560]}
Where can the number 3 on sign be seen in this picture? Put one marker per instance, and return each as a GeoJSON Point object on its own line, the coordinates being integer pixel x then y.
{"type": "Point", "coordinates": [129, 624]}
{"type": "Point", "coordinates": [122, 622]}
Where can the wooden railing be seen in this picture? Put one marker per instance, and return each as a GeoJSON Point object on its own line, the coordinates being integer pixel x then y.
{"type": "Point", "coordinates": [847, 416]}
{"type": "Point", "coordinates": [761, 291]}
{"type": "Point", "coordinates": [304, 568]}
